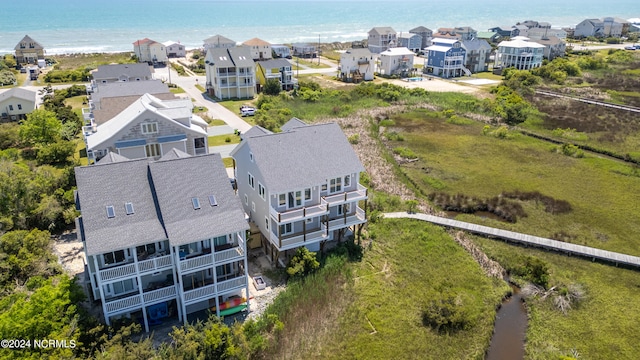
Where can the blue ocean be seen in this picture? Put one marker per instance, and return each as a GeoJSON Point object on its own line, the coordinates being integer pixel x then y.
{"type": "Point", "coordinates": [72, 26]}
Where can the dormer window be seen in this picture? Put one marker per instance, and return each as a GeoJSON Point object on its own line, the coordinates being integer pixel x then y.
{"type": "Point", "coordinates": [150, 128]}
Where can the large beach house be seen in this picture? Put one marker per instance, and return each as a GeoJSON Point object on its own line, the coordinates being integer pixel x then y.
{"type": "Point", "coordinates": [230, 73]}
{"type": "Point", "coordinates": [299, 186]}
{"type": "Point", "coordinates": [162, 239]}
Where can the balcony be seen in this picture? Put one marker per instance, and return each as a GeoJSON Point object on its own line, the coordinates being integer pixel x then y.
{"type": "Point", "coordinates": [200, 293]}
{"type": "Point", "coordinates": [345, 221]}
{"type": "Point", "coordinates": [127, 303]}
{"type": "Point", "coordinates": [300, 214]}
{"type": "Point", "coordinates": [155, 264]}
{"type": "Point", "coordinates": [348, 196]}
{"type": "Point", "coordinates": [363, 62]}
{"type": "Point", "coordinates": [197, 262]}
{"type": "Point", "coordinates": [123, 271]}
{"type": "Point", "coordinates": [162, 294]}
{"type": "Point", "coordinates": [233, 284]}
{"type": "Point", "coordinates": [291, 241]}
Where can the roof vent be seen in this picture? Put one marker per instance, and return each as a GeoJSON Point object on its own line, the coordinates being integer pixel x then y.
{"type": "Point", "coordinates": [111, 212]}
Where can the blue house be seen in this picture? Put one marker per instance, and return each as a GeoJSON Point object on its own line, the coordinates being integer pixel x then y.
{"type": "Point", "coordinates": [445, 58]}
{"type": "Point", "coordinates": [411, 41]}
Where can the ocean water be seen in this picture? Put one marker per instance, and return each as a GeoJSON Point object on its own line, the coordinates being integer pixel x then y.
{"type": "Point", "coordinates": [71, 26]}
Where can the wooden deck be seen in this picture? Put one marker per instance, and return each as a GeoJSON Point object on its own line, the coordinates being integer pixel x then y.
{"type": "Point", "coordinates": [589, 101]}
{"type": "Point", "coordinates": [584, 251]}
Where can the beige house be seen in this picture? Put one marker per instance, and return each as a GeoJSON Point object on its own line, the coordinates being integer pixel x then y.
{"type": "Point", "coordinates": [231, 73]}
{"type": "Point", "coordinates": [260, 49]}
{"type": "Point", "coordinates": [28, 51]}
{"type": "Point", "coordinates": [150, 51]}
{"type": "Point", "coordinates": [396, 61]}
{"type": "Point", "coordinates": [16, 103]}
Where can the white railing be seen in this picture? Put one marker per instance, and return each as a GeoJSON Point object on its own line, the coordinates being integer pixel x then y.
{"type": "Point", "coordinates": [154, 264]}
{"type": "Point", "coordinates": [122, 304]}
{"type": "Point", "coordinates": [238, 282]}
{"type": "Point", "coordinates": [196, 262]}
{"type": "Point", "coordinates": [348, 196]}
{"type": "Point", "coordinates": [165, 293]}
{"type": "Point", "coordinates": [299, 214]}
{"type": "Point", "coordinates": [296, 240]}
{"type": "Point", "coordinates": [199, 293]}
{"type": "Point", "coordinates": [228, 254]}
{"type": "Point", "coordinates": [350, 220]}
{"type": "Point", "coordinates": [118, 272]}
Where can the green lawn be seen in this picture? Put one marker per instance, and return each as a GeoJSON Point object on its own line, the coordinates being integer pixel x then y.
{"type": "Point", "coordinates": [228, 162]}
{"type": "Point", "coordinates": [310, 63]}
{"type": "Point", "coordinates": [222, 140]}
{"type": "Point", "coordinates": [604, 194]}
{"type": "Point", "coordinates": [603, 326]}
{"type": "Point", "coordinates": [176, 90]}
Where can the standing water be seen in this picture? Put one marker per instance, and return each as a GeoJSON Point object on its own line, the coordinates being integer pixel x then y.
{"type": "Point", "coordinates": [509, 330]}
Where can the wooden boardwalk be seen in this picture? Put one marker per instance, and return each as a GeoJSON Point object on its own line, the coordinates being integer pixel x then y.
{"type": "Point", "coordinates": [589, 101]}
{"type": "Point", "coordinates": [585, 251]}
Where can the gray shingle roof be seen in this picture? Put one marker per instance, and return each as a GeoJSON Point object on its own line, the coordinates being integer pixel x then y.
{"type": "Point", "coordinates": [111, 157]}
{"type": "Point", "coordinates": [177, 181]}
{"type": "Point", "coordinates": [218, 57]}
{"type": "Point", "coordinates": [420, 29]}
{"type": "Point", "coordinates": [359, 53]}
{"type": "Point", "coordinates": [29, 39]}
{"type": "Point", "coordinates": [19, 93]}
{"type": "Point", "coordinates": [307, 155]}
{"type": "Point", "coordinates": [382, 30]}
{"type": "Point", "coordinates": [116, 183]}
{"type": "Point", "coordinates": [113, 71]}
{"type": "Point", "coordinates": [218, 39]}
{"type": "Point", "coordinates": [476, 44]}
{"type": "Point", "coordinates": [274, 63]}
{"type": "Point", "coordinates": [128, 88]}
{"type": "Point", "coordinates": [241, 56]}
{"type": "Point", "coordinates": [161, 194]}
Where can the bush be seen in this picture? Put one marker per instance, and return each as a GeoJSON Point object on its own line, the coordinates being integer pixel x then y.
{"type": "Point", "coordinates": [448, 312]}
{"type": "Point", "coordinates": [302, 263]}
{"type": "Point", "coordinates": [534, 270]}
{"type": "Point", "coordinates": [354, 139]}
{"type": "Point", "coordinates": [405, 153]}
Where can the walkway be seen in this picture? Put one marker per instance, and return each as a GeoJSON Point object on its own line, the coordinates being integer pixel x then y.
{"type": "Point", "coordinates": [589, 101]}
{"type": "Point", "coordinates": [536, 241]}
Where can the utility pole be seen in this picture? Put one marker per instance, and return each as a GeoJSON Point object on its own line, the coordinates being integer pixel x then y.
{"type": "Point", "coordinates": [318, 49]}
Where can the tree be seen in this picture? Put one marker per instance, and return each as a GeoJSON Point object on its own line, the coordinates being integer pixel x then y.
{"type": "Point", "coordinates": [272, 87]}
{"type": "Point", "coordinates": [40, 128]}
{"type": "Point", "coordinates": [24, 255]}
{"type": "Point", "coordinates": [302, 263]}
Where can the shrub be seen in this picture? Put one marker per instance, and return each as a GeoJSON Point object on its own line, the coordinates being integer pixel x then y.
{"type": "Point", "coordinates": [405, 153]}
{"type": "Point", "coordinates": [447, 312]}
{"type": "Point", "coordinates": [302, 263]}
{"type": "Point", "coordinates": [354, 139]}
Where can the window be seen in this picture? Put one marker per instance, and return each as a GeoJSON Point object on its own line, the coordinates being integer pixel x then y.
{"type": "Point", "coordinates": [324, 187]}
{"type": "Point", "coordinates": [309, 220]}
{"type": "Point", "coordinates": [261, 191]}
{"type": "Point", "coordinates": [19, 106]}
{"type": "Point", "coordinates": [336, 185]}
{"type": "Point", "coordinates": [10, 107]}
{"type": "Point", "coordinates": [286, 229]}
{"type": "Point", "coordinates": [253, 206]}
{"type": "Point", "coordinates": [122, 287]}
{"type": "Point", "coordinates": [220, 240]}
{"type": "Point", "coordinates": [152, 150]}
{"type": "Point", "coordinates": [307, 194]}
{"type": "Point", "coordinates": [212, 200]}
{"type": "Point", "coordinates": [198, 143]}
{"type": "Point", "coordinates": [114, 257]}
{"type": "Point", "coordinates": [196, 203]}
{"type": "Point", "coordinates": [295, 199]}
{"type": "Point", "coordinates": [111, 212]}
{"type": "Point", "coordinates": [347, 180]}
{"type": "Point", "coordinates": [282, 199]}
{"type": "Point", "coordinates": [129, 208]}
{"type": "Point", "coordinates": [150, 128]}
{"type": "Point", "coordinates": [223, 272]}
{"type": "Point", "coordinates": [251, 183]}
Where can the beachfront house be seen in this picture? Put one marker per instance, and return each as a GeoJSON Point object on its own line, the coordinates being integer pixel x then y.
{"type": "Point", "coordinates": [174, 49]}
{"type": "Point", "coordinates": [300, 187]}
{"type": "Point", "coordinates": [478, 52]}
{"type": "Point", "coordinates": [281, 51]}
{"type": "Point", "coordinates": [28, 51]}
{"type": "Point", "coordinates": [149, 51]}
{"type": "Point", "coordinates": [162, 240]}
{"type": "Point", "coordinates": [16, 103]}
{"type": "Point", "coordinates": [507, 31]}
{"type": "Point", "coordinates": [425, 33]}
{"type": "Point", "coordinates": [411, 41]}
{"type": "Point", "coordinates": [149, 128]}
{"type": "Point", "coordinates": [519, 53]}
{"type": "Point", "coordinates": [357, 65]}
{"type": "Point", "coordinates": [218, 41]}
{"type": "Point", "coordinates": [259, 49]}
{"type": "Point", "coordinates": [279, 69]}
{"type": "Point", "coordinates": [446, 58]}
{"type": "Point", "coordinates": [396, 61]}
{"type": "Point", "coordinates": [120, 73]}
{"type": "Point", "coordinates": [304, 50]}
{"type": "Point", "coordinates": [539, 33]}
{"type": "Point", "coordinates": [601, 28]}
{"type": "Point", "coordinates": [459, 33]}
{"type": "Point", "coordinates": [381, 38]}
{"type": "Point", "coordinates": [230, 73]}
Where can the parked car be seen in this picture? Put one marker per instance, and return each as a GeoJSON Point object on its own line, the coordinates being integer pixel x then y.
{"type": "Point", "coordinates": [630, 47]}
{"type": "Point", "coordinates": [247, 111]}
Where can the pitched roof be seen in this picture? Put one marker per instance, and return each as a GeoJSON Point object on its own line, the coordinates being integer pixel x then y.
{"type": "Point", "coordinates": [114, 71]}
{"type": "Point", "coordinates": [382, 30]}
{"type": "Point", "coordinates": [519, 43]}
{"type": "Point", "coordinates": [111, 157]}
{"type": "Point", "coordinates": [170, 110]}
{"type": "Point", "coordinates": [420, 29]}
{"type": "Point", "coordinates": [256, 42]}
{"type": "Point", "coordinates": [218, 39]}
{"type": "Point", "coordinates": [292, 124]}
{"type": "Point", "coordinates": [476, 44]}
{"type": "Point", "coordinates": [174, 154]}
{"type": "Point", "coordinates": [241, 57]}
{"type": "Point", "coordinates": [28, 39]}
{"type": "Point", "coordinates": [316, 152]}
{"type": "Point", "coordinates": [19, 93]}
{"type": "Point", "coordinates": [397, 52]}
{"type": "Point", "coordinates": [112, 106]}
{"type": "Point", "coordinates": [114, 184]}
{"type": "Point", "coordinates": [144, 41]}
{"type": "Point", "coordinates": [408, 35]}
{"type": "Point", "coordinates": [273, 63]}
{"type": "Point", "coordinates": [359, 52]}
{"type": "Point", "coordinates": [198, 177]}
{"type": "Point", "coordinates": [161, 193]}
{"type": "Point", "coordinates": [171, 42]}
{"type": "Point", "coordinates": [126, 88]}
{"type": "Point", "coordinates": [219, 57]}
